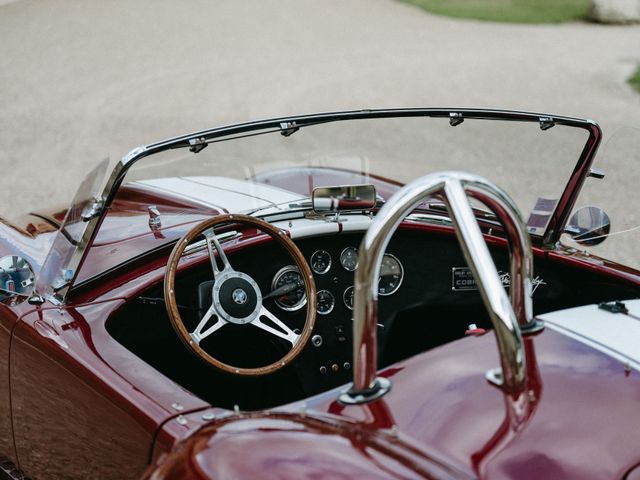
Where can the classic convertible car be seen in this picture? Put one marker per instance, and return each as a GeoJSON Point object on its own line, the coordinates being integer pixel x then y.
{"type": "Point", "coordinates": [334, 296]}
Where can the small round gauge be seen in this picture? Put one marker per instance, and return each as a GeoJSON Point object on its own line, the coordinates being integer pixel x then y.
{"type": "Point", "coordinates": [320, 261]}
{"type": "Point", "coordinates": [391, 275]}
{"type": "Point", "coordinates": [347, 297]}
{"type": "Point", "coordinates": [293, 298]}
{"type": "Point", "coordinates": [349, 259]}
{"type": "Point", "coordinates": [326, 302]}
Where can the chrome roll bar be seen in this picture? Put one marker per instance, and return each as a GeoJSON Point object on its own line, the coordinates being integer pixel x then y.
{"type": "Point", "coordinates": [509, 317]}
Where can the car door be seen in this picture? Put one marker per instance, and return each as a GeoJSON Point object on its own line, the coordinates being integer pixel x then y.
{"type": "Point", "coordinates": [73, 416]}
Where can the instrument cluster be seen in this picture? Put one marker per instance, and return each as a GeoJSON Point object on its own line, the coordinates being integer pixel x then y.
{"type": "Point", "coordinates": [289, 281]}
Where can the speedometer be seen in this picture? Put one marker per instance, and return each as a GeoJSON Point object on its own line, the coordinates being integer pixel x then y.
{"type": "Point", "coordinates": [391, 275]}
{"type": "Point", "coordinates": [295, 298]}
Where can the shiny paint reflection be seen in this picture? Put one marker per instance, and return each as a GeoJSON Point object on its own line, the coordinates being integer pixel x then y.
{"type": "Point", "coordinates": [7, 321]}
{"type": "Point", "coordinates": [441, 399]}
{"type": "Point", "coordinates": [69, 424]}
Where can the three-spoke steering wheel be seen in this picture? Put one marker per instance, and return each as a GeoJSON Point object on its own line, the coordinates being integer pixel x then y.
{"type": "Point", "coordinates": [236, 297]}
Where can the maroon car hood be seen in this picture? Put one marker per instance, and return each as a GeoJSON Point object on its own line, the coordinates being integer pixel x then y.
{"type": "Point", "coordinates": [442, 419]}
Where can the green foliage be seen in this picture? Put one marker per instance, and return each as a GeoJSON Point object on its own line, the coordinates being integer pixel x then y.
{"type": "Point", "coordinates": [635, 79]}
{"type": "Point", "coordinates": [515, 11]}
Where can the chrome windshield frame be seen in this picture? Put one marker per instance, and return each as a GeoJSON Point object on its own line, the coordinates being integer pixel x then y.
{"type": "Point", "coordinates": [287, 125]}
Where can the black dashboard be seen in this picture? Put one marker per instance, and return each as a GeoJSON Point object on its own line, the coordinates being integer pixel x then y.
{"type": "Point", "coordinates": [415, 289]}
{"type": "Point", "coordinates": [427, 298]}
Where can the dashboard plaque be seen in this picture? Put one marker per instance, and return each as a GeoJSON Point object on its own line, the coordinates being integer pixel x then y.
{"type": "Point", "coordinates": [462, 279]}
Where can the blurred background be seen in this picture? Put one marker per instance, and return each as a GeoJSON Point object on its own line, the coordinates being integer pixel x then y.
{"type": "Point", "coordinates": [82, 80]}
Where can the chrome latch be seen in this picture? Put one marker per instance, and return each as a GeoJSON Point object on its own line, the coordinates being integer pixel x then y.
{"type": "Point", "coordinates": [155, 222]}
{"type": "Point", "coordinates": [614, 307]}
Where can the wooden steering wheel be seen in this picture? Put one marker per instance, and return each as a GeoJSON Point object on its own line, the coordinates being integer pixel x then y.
{"type": "Point", "coordinates": [236, 297]}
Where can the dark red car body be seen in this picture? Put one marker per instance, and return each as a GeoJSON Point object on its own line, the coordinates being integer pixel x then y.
{"type": "Point", "coordinates": [75, 403]}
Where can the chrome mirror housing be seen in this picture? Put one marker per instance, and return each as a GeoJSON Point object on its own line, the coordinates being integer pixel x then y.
{"type": "Point", "coordinates": [342, 198]}
{"type": "Point", "coordinates": [16, 279]}
{"type": "Point", "coordinates": [511, 317]}
{"type": "Point", "coordinates": [589, 226]}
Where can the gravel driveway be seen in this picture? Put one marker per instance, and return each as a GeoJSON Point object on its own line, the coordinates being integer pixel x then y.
{"type": "Point", "coordinates": [85, 80]}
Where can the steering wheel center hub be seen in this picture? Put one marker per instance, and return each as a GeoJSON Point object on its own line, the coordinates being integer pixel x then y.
{"type": "Point", "coordinates": [239, 296]}
{"type": "Point", "coordinates": [236, 297]}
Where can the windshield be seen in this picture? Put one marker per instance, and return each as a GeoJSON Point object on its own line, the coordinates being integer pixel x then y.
{"type": "Point", "coordinates": [274, 169]}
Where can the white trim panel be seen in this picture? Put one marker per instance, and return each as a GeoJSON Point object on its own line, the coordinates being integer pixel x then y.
{"type": "Point", "coordinates": [615, 334]}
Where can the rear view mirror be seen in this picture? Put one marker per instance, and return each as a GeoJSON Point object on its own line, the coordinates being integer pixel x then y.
{"type": "Point", "coordinates": [589, 226]}
{"type": "Point", "coordinates": [346, 197]}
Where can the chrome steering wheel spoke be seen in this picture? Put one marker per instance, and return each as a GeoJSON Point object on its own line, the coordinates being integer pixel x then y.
{"type": "Point", "coordinates": [213, 245]}
{"type": "Point", "coordinates": [198, 334]}
{"type": "Point", "coordinates": [285, 333]}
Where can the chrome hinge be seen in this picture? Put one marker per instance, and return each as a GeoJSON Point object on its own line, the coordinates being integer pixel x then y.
{"type": "Point", "coordinates": [93, 209]}
{"type": "Point", "coordinates": [197, 144]}
{"type": "Point", "coordinates": [64, 279]}
{"type": "Point", "coordinates": [546, 123]}
{"type": "Point", "coordinates": [455, 119]}
{"type": "Point", "coordinates": [288, 128]}
{"type": "Point", "coordinates": [596, 173]}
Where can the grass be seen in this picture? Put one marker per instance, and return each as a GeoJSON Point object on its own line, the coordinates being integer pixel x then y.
{"type": "Point", "coordinates": [513, 11]}
{"type": "Point", "coordinates": [635, 79]}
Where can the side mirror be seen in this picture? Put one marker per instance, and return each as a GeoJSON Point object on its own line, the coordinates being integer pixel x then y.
{"type": "Point", "coordinates": [16, 279]}
{"type": "Point", "coordinates": [589, 226]}
{"type": "Point", "coordinates": [347, 197]}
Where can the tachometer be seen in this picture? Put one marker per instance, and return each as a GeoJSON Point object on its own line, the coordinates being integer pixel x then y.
{"type": "Point", "coordinates": [391, 275]}
{"type": "Point", "coordinates": [349, 259]}
{"type": "Point", "coordinates": [296, 297]}
{"type": "Point", "coordinates": [320, 261]}
{"type": "Point", "coordinates": [326, 302]}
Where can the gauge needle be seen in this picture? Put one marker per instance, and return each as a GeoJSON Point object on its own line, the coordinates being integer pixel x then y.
{"type": "Point", "coordinates": [283, 290]}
